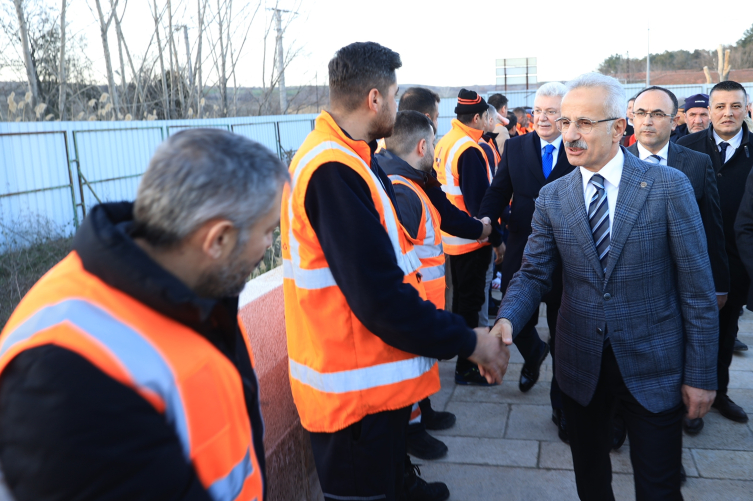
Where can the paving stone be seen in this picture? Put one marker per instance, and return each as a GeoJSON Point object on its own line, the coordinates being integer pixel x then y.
{"type": "Point", "coordinates": [531, 422]}
{"type": "Point", "coordinates": [706, 489]}
{"type": "Point", "coordinates": [480, 483]}
{"type": "Point", "coordinates": [720, 433]}
{"type": "Point", "coordinates": [742, 360]}
{"type": "Point", "coordinates": [491, 451]}
{"type": "Point", "coordinates": [743, 398]}
{"type": "Point", "coordinates": [447, 377]}
{"type": "Point", "coordinates": [741, 379]}
{"type": "Point", "coordinates": [477, 420]}
{"type": "Point", "coordinates": [507, 392]}
{"type": "Point", "coordinates": [730, 465]}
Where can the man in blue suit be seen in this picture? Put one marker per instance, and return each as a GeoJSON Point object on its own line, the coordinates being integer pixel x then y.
{"type": "Point", "coordinates": [638, 320]}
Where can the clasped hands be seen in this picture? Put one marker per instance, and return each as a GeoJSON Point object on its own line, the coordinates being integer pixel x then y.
{"type": "Point", "coordinates": [500, 251]}
{"type": "Point", "coordinates": [492, 353]}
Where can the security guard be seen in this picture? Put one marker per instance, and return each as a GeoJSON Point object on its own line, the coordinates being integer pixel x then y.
{"type": "Point", "coordinates": [362, 343]}
{"type": "Point", "coordinates": [124, 372]}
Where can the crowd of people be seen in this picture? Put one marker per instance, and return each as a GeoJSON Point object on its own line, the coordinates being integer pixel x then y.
{"type": "Point", "coordinates": [125, 373]}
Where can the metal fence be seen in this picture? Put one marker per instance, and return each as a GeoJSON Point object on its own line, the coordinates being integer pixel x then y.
{"type": "Point", "coordinates": [59, 170]}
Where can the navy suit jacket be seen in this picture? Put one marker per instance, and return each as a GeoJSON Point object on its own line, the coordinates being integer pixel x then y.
{"type": "Point", "coordinates": [697, 166]}
{"type": "Point", "coordinates": [656, 299]}
{"type": "Point", "coordinates": [519, 177]}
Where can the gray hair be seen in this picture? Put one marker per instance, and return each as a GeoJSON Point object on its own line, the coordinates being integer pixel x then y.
{"type": "Point", "coordinates": [492, 110]}
{"type": "Point", "coordinates": [202, 174]}
{"type": "Point", "coordinates": [551, 89]}
{"type": "Point", "coordinates": [615, 103]}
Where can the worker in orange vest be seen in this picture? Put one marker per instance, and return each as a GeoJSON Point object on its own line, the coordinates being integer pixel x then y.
{"type": "Point", "coordinates": [525, 122]}
{"type": "Point", "coordinates": [362, 344]}
{"type": "Point", "coordinates": [464, 173]}
{"type": "Point", "coordinates": [125, 372]}
{"type": "Point", "coordinates": [424, 210]}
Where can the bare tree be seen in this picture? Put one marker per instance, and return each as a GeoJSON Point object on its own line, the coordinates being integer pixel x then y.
{"type": "Point", "coordinates": [166, 100]}
{"type": "Point", "coordinates": [104, 26]}
{"type": "Point", "coordinates": [61, 101]}
{"type": "Point", "coordinates": [27, 53]}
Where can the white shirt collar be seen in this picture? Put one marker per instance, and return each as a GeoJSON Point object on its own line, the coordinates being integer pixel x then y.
{"type": "Point", "coordinates": [643, 153]}
{"type": "Point", "coordinates": [611, 172]}
{"type": "Point", "coordinates": [556, 143]}
{"type": "Point", "coordinates": [734, 142]}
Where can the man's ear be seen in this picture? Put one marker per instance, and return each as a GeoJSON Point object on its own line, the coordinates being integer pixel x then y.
{"type": "Point", "coordinates": [619, 129]}
{"type": "Point", "coordinates": [375, 100]}
{"type": "Point", "coordinates": [218, 239]}
{"type": "Point", "coordinates": [674, 122]}
{"type": "Point", "coordinates": [421, 148]}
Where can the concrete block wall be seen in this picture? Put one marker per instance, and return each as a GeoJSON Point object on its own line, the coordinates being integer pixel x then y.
{"type": "Point", "coordinates": [291, 473]}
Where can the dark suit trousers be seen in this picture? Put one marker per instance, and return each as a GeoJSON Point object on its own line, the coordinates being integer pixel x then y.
{"type": "Point", "coordinates": [655, 440]}
{"type": "Point", "coordinates": [530, 344]}
{"type": "Point", "coordinates": [468, 272]}
{"type": "Point", "coordinates": [728, 319]}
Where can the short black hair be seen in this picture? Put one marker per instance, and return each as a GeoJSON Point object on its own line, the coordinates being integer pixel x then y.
{"type": "Point", "coordinates": [467, 118]}
{"type": "Point", "coordinates": [359, 67]}
{"type": "Point", "coordinates": [675, 103]}
{"type": "Point", "coordinates": [728, 85]}
{"type": "Point", "coordinates": [410, 127]}
{"type": "Point", "coordinates": [419, 99]}
{"type": "Point", "coordinates": [633, 98]}
{"type": "Point", "coordinates": [520, 110]}
{"type": "Point", "coordinates": [498, 101]}
{"type": "Point", "coordinates": [513, 120]}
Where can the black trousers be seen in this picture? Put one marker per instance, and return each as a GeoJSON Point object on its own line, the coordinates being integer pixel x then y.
{"type": "Point", "coordinates": [531, 346]}
{"type": "Point", "coordinates": [655, 440]}
{"type": "Point", "coordinates": [366, 460]}
{"type": "Point", "coordinates": [468, 272]}
{"type": "Point", "coordinates": [728, 319]}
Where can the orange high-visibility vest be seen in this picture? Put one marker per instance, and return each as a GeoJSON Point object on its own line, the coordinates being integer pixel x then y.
{"type": "Point", "coordinates": [380, 146]}
{"type": "Point", "coordinates": [178, 371]}
{"type": "Point", "coordinates": [524, 130]}
{"type": "Point", "coordinates": [497, 157]}
{"type": "Point", "coordinates": [339, 371]}
{"type": "Point", "coordinates": [428, 244]}
{"type": "Point", "coordinates": [446, 155]}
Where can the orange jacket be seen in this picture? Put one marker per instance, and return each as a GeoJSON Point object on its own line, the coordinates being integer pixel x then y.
{"type": "Point", "coordinates": [178, 371]}
{"type": "Point", "coordinates": [446, 156]}
{"type": "Point", "coordinates": [428, 245]}
{"type": "Point", "coordinates": [339, 371]}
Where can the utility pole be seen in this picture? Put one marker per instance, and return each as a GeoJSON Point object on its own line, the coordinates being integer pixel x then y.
{"type": "Point", "coordinates": [280, 62]}
{"type": "Point", "coordinates": [648, 57]}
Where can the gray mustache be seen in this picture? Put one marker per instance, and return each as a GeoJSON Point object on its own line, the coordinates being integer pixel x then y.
{"type": "Point", "coordinates": [580, 144]}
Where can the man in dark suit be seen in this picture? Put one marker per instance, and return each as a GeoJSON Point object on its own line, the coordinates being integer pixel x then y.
{"type": "Point", "coordinates": [654, 118]}
{"type": "Point", "coordinates": [727, 143]}
{"type": "Point", "coordinates": [528, 163]}
{"type": "Point", "coordinates": [638, 319]}
{"type": "Point", "coordinates": [744, 233]}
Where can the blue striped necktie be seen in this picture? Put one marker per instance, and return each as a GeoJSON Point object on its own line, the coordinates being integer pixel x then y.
{"type": "Point", "coordinates": [598, 218]}
{"type": "Point", "coordinates": [654, 159]}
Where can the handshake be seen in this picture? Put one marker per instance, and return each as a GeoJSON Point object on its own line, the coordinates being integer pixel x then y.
{"type": "Point", "coordinates": [492, 353]}
{"type": "Point", "coordinates": [499, 251]}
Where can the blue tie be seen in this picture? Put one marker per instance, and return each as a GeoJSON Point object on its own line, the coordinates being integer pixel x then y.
{"type": "Point", "coordinates": [598, 218]}
{"type": "Point", "coordinates": [723, 152]}
{"type": "Point", "coordinates": [547, 160]}
{"type": "Point", "coordinates": [654, 159]}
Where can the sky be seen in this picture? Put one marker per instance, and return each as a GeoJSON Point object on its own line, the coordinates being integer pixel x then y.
{"type": "Point", "coordinates": [444, 43]}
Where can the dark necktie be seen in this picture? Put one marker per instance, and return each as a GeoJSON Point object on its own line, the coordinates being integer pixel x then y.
{"type": "Point", "coordinates": [598, 218]}
{"type": "Point", "coordinates": [723, 151]}
{"type": "Point", "coordinates": [547, 160]}
{"type": "Point", "coordinates": [654, 159]}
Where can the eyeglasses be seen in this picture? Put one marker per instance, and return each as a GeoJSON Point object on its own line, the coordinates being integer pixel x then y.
{"type": "Point", "coordinates": [584, 125]}
{"type": "Point", "coordinates": [551, 113]}
{"type": "Point", "coordinates": [655, 115]}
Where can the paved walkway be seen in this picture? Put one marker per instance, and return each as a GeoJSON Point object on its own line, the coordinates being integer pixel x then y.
{"type": "Point", "coordinates": [505, 446]}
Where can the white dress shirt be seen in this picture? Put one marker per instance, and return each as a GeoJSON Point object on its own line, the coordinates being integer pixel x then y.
{"type": "Point", "coordinates": [557, 143]}
{"type": "Point", "coordinates": [734, 143]}
{"type": "Point", "coordinates": [612, 173]}
{"type": "Point", "coordinates": [643, 153]}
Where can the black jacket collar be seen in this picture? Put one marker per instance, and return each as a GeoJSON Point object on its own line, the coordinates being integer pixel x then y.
{"type": "Point", "coordinates": [394, 165]}
{"type": "Point", "coordinates": [107, 251]}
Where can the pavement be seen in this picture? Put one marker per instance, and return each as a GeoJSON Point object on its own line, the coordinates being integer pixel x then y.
{"type": "Point", "coordinates": [504, 445]}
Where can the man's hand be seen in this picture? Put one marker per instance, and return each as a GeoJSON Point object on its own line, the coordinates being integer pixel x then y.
{"type": "Point", "coordinates": [487, 229]}
{"type": "Point", "coordinates": [503, 330]}
{"type": "Point", "coordinates": [697, 401]}
{"type": "Point", "coordinates": [500, 252]}
{"type": "Point", "coordinates": [721, 300]}
{"type": "Point", "coordinates": [491, 356]}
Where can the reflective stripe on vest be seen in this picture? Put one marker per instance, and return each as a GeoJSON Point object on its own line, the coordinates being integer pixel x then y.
{"type": "Point", "coordinates": [175, 369]}
{"type": "Point", "coordinates": [428, 244]}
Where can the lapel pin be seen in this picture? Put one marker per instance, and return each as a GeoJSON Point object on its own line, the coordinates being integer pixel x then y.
{"type": "Point", "coordinates": [644, 184]}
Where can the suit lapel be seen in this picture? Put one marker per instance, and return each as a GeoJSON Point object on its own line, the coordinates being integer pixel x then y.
{"type": "Point", "coordinates": [674, 155]}
{"type": "Point", "coordinates": [574, 208]}
{"type": "Point", "coordinates": [634, 188]}
{"type": "Point", "coordinates": [533, 156]}
{"type": "Point", "coordinates": [562, 168]}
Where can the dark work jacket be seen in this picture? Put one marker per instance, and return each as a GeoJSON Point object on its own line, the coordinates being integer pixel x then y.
{"type": "Point", "coordinates": [362, 260]}
{"type": "Point", "coordinates": [730, 181]}
{"type": "Point", "coordinates": [680, 131]}
{"type": "Point", "coordinates": [520, 177]}
{"type": "Point", "coordinates": [744, 233]}
{"type": "Point", "coordinates": [697, 167]}
{"type": "Point", "coordinates": [453, 220]}
{"type": "Point", "coordinates": [489, 144]}
{"type": "Point", "coordinates": [69, 431]}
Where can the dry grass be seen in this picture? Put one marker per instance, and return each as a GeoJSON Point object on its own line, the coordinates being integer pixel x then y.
{"type": "Point", "coordinates": [272, 257]}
